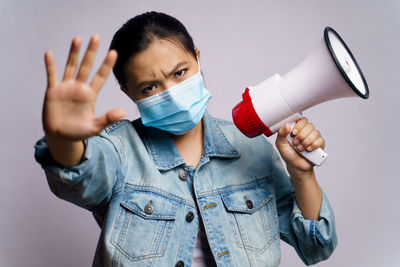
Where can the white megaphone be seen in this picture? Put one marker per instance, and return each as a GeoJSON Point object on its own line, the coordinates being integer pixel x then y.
{"type": "Point", "coordinates": [329, 72]}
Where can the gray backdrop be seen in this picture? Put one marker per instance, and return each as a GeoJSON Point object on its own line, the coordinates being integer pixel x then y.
{"type": "Point", "coordinates": [241, 44]}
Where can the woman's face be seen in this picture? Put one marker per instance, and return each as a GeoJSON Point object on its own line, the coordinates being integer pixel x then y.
{"type": "Point", "coordinates": [162, 65]}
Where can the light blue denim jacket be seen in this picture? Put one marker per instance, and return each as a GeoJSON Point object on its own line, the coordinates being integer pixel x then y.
{"type": "Point", "coordinates": [139, 189]}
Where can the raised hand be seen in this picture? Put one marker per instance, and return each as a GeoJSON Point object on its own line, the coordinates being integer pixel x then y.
{"type": "Point", "coordinates": [69, 105]}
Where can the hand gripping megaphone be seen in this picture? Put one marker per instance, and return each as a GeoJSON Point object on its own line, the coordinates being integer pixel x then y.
{"type": "Point", "coordinates": [330, 71]}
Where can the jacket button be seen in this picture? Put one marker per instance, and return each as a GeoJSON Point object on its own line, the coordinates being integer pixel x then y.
{"type": "Point", "coordinates": [183, 175]}
{"type": "Point", "coordinates": [189, 216]}
{"type": "Point", "coordinates": [149, 209]}
{"type": "Point", "coordinates": [249, 204]}
{"type": "Point", "coordinates": [180, 264]}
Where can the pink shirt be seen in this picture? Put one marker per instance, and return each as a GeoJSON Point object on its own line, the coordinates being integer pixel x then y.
{"type": "Point", "coordinates": [202, 256]}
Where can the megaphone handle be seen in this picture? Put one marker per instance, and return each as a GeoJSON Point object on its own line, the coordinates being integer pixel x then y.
{"type": "Point", "coordinates": [316, 157]}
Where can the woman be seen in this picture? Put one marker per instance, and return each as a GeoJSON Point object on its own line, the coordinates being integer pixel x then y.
{"type": "Point", "coordinates": [176, 187]}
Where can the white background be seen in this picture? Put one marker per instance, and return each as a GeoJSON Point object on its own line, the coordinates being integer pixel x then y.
{"type": "Point", "coordinates": [241, 44]}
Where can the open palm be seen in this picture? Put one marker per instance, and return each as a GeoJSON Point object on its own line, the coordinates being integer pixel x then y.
{"type": "Point", "coordinates": [69, 106]}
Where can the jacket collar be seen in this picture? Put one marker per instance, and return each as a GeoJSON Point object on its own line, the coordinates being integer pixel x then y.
{"type": "Point", "coordinates": [165, 154]}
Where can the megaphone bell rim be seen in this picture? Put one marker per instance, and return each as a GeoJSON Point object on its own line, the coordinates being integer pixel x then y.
{"type": "Point", "coordinates": [339, 66]}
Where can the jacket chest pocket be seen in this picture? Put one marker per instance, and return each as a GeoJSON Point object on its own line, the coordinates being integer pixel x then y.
{"type": "Point", "coordinates": [143, 224]}
{"type": "Point", "coordinates": [253, 217]}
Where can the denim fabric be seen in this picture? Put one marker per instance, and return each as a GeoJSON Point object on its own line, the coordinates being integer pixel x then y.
{"type": "Point", "coordinates": [129, 167]}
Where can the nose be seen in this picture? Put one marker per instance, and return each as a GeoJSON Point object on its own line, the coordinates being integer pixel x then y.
{"type": "Point", "coordinates": [169, 83]}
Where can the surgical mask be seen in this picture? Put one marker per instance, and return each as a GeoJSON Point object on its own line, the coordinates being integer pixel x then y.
{"type": "Point", "coordinates": [178, 109]}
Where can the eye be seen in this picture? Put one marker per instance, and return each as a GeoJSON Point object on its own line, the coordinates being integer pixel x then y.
{"type": "Point", "coordinates": [148, 89]}
{"type": "Point", "coordinates": [180, 73]}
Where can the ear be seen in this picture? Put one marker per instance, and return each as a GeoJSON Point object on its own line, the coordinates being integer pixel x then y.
{"type": "Point", "coordinates": [198, 54]}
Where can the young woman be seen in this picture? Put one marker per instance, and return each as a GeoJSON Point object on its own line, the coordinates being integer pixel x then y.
{"type": "Point", "coordinates": [177, 187]}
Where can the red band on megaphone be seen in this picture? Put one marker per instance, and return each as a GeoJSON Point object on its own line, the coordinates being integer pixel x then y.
{"type": "Point", "coordinates": [246, 119]}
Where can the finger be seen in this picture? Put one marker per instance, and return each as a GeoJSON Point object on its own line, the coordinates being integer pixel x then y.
{"type": "Point", "coordinates": [88, 59]}
{"type": "Point", "coordinates": [284, 131]}
{"type": "Point", "coordinates": [299, 125]}
{"type": "Point", "coordinates": [320, 142]}
{"type": "Point", "coordinates": [110, 117]}
{"type": "Point", "coordinates": [50, 69]}
{"type": "Point", "coordinates": [104, 71]}
{"type": "Point", "coordinates": [314, 135]}
{"type": "Point", "coordinates": [303, 133]}
{"type": "Point", "coordinates": [72, 61]}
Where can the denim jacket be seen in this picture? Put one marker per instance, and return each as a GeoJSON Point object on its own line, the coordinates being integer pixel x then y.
{"type": "Point", "coordinates": [147, 201]}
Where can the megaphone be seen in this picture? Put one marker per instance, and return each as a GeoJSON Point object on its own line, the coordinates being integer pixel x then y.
{"type": "Point", "coordinates": [330, 71]}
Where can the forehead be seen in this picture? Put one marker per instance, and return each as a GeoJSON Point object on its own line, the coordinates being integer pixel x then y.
{"type": "Point", "coordinates": [161, 55]}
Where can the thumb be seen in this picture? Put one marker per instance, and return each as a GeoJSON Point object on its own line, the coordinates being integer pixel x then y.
{"type": "Point", "coordinates": [282, 133]}
{"type": "Point", "coordinates": [110, 117]}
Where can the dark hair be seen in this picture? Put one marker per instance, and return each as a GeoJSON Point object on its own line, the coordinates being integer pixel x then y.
{"type": "Point", "coordinates": [140, 31]}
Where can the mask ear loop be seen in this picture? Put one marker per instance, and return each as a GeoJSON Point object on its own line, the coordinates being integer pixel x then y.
{"type": "Point", "coordinates": [198, 63]}
{"type": "Point", "coordinates": [201, 71]}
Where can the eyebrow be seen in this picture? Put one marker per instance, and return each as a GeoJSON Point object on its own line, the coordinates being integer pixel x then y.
{"type": "Point", "coordinates": [174, 69]}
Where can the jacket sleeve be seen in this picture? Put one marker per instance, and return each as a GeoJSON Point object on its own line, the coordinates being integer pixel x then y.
{"type": "Point", "coordinates": [89, 184]}
{"type": "Point", "coordinates": [314, 241]}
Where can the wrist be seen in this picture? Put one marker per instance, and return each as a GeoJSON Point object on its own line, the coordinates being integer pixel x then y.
{"type": "Point", "coordinates": [300, 174]}
{"type": "Point", "coordinates": [65, 152]}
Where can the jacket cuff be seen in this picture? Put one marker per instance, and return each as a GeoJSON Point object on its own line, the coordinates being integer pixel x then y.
{"type": "Point", "coordinates": [317, 233]}
{"type": "Point", "coordinates": [319, 236]}
{"type": "Point", "coordinates": [71, 175]}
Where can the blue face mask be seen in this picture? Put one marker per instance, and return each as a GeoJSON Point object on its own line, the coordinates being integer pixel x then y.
{"type": "Point", "coordinates": [178, 109]}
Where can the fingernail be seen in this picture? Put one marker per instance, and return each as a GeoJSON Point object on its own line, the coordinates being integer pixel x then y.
{"type": "Point", "coordinates": [296, 142]}
{"type": "Point", "coordinates": [309, 148]}
{"type": "Point", "coordinates": [300, 147]}
{"type": "Point", "coordinates": [294, 131]}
